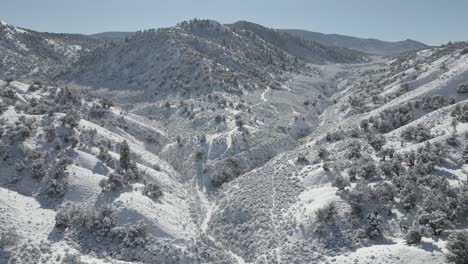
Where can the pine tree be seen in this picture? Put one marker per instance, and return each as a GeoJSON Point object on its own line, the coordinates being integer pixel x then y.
{"type": "Point", "coordinates": [124, 155]}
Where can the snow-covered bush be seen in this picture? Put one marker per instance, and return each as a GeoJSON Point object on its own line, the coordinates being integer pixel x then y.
{"type": "Point", "coordinates": [38, 169]}
{"type": "Point", "coordinates": [334, 136]}
{"type": "Point", "coordinates": [79, 217]}
{"type": "Point", "coordinates": [56, 187]}
{"type": "Point", "coordinates": [416, 134]}
{"type": "Point", "coordinates": [104, 155]}
{"type": "Point", "coordinates": [302, 159]}
{"type": "Point", "coordinates": [364, 168]}
{"type": "Point", "coordinates": [354, 150]}
{"type": "Point", "coordinates": [457, 245]}
{"type": "Point", "coordinates": [96, 111]}
{"type": "Point", "coordinates": [49, 133]}
{"type": "Point", "coordinates": [377, 142]}
{"type": "Point", "coordinates": [340, 182]}
{"type": "Point", "coordinates": [114, 182]}
{"type": "Point", "coordinates": [131, 236]}
{"type": "Point", "coordinates": [199, 154]}
{"type": "Point", "coordinates": [70, 119]}
{"type": "Point", "coordinates": [56, 184]}
{"type": "Point", "coordinates": [17, 134]}
{"type": "Point", "coordinates": [374, 225]}
{"type": "Point", "coordinates": [434, 222]}
{"type": "Point", "coordinates": [391, 119]}
{"type": "Point", "coordinates": [358, 197]}
{"type": "Point", "coordinates": [413, 236]}
{"type": "Point", "coordinates": [326, 214]}
{"type": "Point", "coordinates": [152, 190]}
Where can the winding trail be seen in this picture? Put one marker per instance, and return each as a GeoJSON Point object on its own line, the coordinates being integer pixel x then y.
{"type": "Point", "coordinates": [264, 93]}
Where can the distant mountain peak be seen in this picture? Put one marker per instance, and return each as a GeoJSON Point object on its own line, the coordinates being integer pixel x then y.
{"type": "Point", "coordinates": [367, 45]}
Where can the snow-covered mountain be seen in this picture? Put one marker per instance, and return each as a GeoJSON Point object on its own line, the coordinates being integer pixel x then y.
{"type": "Point", "coordinates": [29, 54]}
{"type": "Point", "coordinates": [371, 46]}
{"type": "Point", "coordinates": [203, 56]}
{"type": "Point", "coordinates": [211, 143]}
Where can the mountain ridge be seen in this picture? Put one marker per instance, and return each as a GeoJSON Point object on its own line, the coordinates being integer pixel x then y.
{"type": "Point", "coordinates": [368, 45]}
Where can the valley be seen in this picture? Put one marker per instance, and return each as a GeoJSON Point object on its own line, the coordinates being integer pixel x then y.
{"type": "Point", "coordinates": [212, 143]}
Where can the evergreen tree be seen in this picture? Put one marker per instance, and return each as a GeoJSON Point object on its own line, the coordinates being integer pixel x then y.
{"type": "Point", "coordinates": [124, 155]}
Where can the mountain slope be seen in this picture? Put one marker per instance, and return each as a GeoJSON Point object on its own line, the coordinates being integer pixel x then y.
{"type": "Point", "coordinates": [203, 56]}
{"type": "Point", "coordinates": [207, 143]}
{"type": "Point", "coordinates": [30, 54]}
{"type": "Point", "coordinates": [371, 46]}
{"type": "Point", "coordinates": [308, 51]}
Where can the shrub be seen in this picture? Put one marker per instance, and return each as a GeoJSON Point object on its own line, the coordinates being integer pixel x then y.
{"type": "Point", "coordinates": [219, 119]}
{"type": "Point", "coordinates": [199, 154]}
{"type": "Point", "coordinates": [377, 142]}
{"type": "Point", "coordinates": [38, 169]}
{"type": "Point", "coordinates": [416, 134]}
{"type": "Point", "coordinates": [340, 182]}
{"type": "Point", "coordinates": [114, 182]}
{"type": "Point", "coordinates": [17, 134]}
{"type": "Point", "coordinates": [334, 136]}
{"type": "Point", "coordinates": [301, 159]}
{"type": "Point", "coordinates": [323, 153]}
{"type": "Point", "coordinates": [107, 103]}
{"type": "Point", "coordinates": [96, 111]}
{"type": "Point", "coordinates": [152, 190]}
{"type": "Point", "coordinates": [130, 235]}
{"type": "Point", "coordinates": [413, 236]}
{"type": "Point", "coordinates": [374, 225]}
{"type": "Point", "coordinates": [104, 155]}
{"type": "Point", "coordinates": [70, 119]}
{"type": "Point", "coordinates": [354, 150]}
{"type": "Point", "coordinates": [327, 213]}
{"type": "Point", "coordinates": [435, 222]}
{"type": "Point", "coordinates": [56, 187]}
{"type": "Point", "coordinates": [49, 133]}
{"type": "Point", "coordinates": [98, 221]}
{"type": "Point", "coordinates": [457, 245]}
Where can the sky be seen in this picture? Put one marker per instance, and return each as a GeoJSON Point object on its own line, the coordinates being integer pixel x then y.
{"type": "Point", "coordinates": [430, 21]}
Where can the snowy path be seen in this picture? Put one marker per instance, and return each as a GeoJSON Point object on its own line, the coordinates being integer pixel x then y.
{"type": "Point", "coordinates": [264, 93]}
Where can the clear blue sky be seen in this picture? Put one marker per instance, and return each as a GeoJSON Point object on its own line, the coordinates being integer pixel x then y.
{"type": "Point", "coordinates": [430, 21]}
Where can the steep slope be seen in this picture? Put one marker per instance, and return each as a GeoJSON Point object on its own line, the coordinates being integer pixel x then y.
{"type": "Point", "coordinates": [371, 46]}
{"type": "Point", "coordinates": [29, 54]}
{"type": "Point", "coordinates": [203, 56]}
{"type": "Point", "coordinates": [389, 157]}
{"type": "Point", "coordinates": [62, 159]}
{"type": "Point", "coordinates": [222, 147]}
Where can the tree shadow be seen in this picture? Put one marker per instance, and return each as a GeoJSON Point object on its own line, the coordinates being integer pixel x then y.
{"type": "Point", "coordinates": [56, 235]}
{"type": "Point", "coordinates": [100, 168]}
{"type": "Point", "coordinates": [105, 198]}
{"type": "Point", "coordinates": [429, 246]}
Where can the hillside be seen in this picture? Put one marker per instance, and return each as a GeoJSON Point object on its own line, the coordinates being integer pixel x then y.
{"type": "Point", "coordinates": [211, 143]}
{"type": "Point", "coordinates": [203, 56]}
{"type": "Point", "coordinates": [34, 55]}
{"type": "Point", "coordinates": [370, 46]}
{"type": "Point", "coordinates": [312, 52]}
